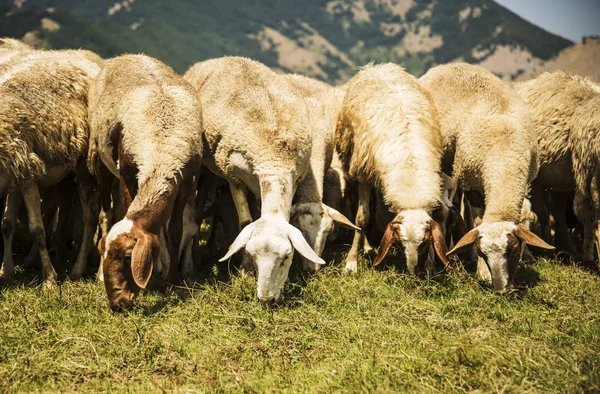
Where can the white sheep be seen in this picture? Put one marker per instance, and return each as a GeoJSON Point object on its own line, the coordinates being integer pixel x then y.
{"type": "Point", "coordinates": [146, 128]}
{"type": "Point", "coordinates": [388, 137]}
{"type": "Point", "coordinates": [314, 218]}
{"type": "Point", "coordinates": [43, 137]}
{"type": "Point", "coordinates": [490, 150]}
{"type": "Point", "coordinates": [258, 137]}
{"type": "Point", "coordinates": [566, 115]}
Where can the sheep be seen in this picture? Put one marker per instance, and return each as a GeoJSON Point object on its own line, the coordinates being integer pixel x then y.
{"type": "Point", "coordinates": [491, 152]}
{"type": "Point", "coordinates": [387, 136]}
{"type": "Point", "coordinates": [43, 137]}
{"type": "Point", "coordinates": [258, 137]}
{"type": "Point", "coordinates": [146, 129]}
{"type": "Point", "coordinates": [566, 116]}
{"type": "Point", "coordinates": [309, 213]}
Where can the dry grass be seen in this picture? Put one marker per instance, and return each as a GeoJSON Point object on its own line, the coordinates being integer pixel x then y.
{"type": "Point", "coordinates": [378, 330]}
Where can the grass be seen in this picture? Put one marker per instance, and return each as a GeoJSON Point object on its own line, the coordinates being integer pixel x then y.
{"type": "Point", "coordinates": [378, 330]}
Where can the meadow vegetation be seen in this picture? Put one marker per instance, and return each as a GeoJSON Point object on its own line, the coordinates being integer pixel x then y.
{"type": "Point", "coordinates": [378, 330]}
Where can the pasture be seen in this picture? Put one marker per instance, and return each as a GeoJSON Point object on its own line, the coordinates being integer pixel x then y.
{"type": "Point", "coordinates": [377, 330]}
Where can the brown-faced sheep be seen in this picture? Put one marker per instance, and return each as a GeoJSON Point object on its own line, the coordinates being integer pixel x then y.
{"type": "Point", "coordinates": [146, 128]}
{"type": "Point", "coordinates": [566, 115]}
{"type": "Point", "coordinates": [258, 137]}
{"type": "Point", "coordinates": [388, 137]}
{"type": "Point", "coordinates": [491, 152]}
{"type": "Point", "coordinates": [44, 136]}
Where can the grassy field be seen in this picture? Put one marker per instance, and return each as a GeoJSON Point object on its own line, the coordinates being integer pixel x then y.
{"type": "Point", "coordinates": [378, 330]}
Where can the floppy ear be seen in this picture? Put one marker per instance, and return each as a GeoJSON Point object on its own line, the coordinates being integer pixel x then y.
{"type": "Point", "coordinates": [142, 257]}
{"type": "Point", "coordinates": [340, 219]}
{"type": "Point", "coordinates": [459, 221]}
{"type": "Point", "coordinates": [465, 242]}
{"type": "Point", "coordinates": [531, 239]}
{"type": "Point", "coordinates": [302, 246]}
{"type": "Point", "coordinates": [240, 242]}
{"type": "Point", "coordinates": [389, 236]}
{"type": "Point", "coordinates": [439, 245]}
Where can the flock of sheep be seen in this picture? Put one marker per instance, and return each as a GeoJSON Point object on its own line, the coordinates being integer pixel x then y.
{"type": "Point", "coordinates": [149, 148]}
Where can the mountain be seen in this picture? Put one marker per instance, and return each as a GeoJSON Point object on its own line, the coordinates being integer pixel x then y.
{"type": "Point", "coordinates": [582, 58]}
{"type": "Point", "coordinates": [327, 39]}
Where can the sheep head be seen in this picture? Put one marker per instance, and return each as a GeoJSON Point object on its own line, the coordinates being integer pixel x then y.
{"type": "Point", "coordinates": [128, 257]}
{"type": "Point", "coordinates": [316, 220]}
{"type": "Point", "coordinates": [415, 232]}
{"type": "Point", "coordinates": [499, 245]}
{"type": "Point", "coordinates": [270, 243]}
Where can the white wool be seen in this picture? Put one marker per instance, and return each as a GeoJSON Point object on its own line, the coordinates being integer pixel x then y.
{"type": "Point", "coordinates": [121, 227]}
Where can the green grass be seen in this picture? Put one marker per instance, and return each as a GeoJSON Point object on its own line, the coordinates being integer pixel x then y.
{"type": "Point", "coordinates": [378, 330]}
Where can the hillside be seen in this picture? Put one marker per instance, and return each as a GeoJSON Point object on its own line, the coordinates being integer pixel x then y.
{"type": "Point", "coordinates": [582, 58]}
{"type": "Point", "coordinates": [323, 38]}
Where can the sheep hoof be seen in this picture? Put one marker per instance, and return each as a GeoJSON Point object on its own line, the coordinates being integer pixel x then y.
{"type": "Point", "coordinates": [49, 283]}
{"type": "Point", "coordinates": [76, 274]}
{"type": "Point", "coordinates": [6, 273]}
{"type": "Point", "coordinates": [351, 266]}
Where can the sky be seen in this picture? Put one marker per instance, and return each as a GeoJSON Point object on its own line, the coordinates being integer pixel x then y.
{"type": "Point", "coordinates": [571, 19]}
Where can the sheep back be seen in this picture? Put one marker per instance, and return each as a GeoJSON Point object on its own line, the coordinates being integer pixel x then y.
{"type": "Point", "coordinates": [388, 135]}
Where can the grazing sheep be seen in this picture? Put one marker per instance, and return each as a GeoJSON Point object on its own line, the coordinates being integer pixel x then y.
{"type": "Point", "coordinates": [490, 150]}
{"type": "Point", "coordinates": [309, 213]}
{"type": "Point", "coordinates": [146, 128]}
{"type": "Point", "coordinates": [566, 115]}
{"type": "Point", "coordinates": [43, 137]}
{"type": "Point", "coordinates": [387, 136]}
{"type": "Point", "coordinates": [258, 137]}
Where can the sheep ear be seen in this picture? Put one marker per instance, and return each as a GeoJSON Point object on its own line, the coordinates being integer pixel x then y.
{"type": "Point", "coordinates": [530, 238]}
{"type": "Point", "coordinates": [465, 242]}
{"type": "Point", "coordinates": [142, 257]}
{"type": "Point", "coordinates": [302, 246]}
{"type": "Point", "coordinates": [340, 219]}
{"type": "Point", "coordinates": [439, 244]}
{"type": "Point", "coordinates": [240, 242]}
{"type": "Point", "coordinates": [389, 236]}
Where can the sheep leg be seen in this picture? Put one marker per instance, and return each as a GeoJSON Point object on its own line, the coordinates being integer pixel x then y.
{"type": "Point", "coordinates": [238, 193]}
{"type": "Point", "coordinates": [9, 222]}
{"type": "Point", "coordinates": [562, 236]}
{"type": "Point", "coordinates": [31, 195]}
{"type": "Point", "coordinates": [90, 206]}
{"type": "Point", "coordinates": [539, 207]}
{"type": "Point", "coordinates": [362, 219]}
{"type": "Point", "coordinates": [595, 192]}
{"type": "Point", "coordinates": [49, 208]}
{"type": "Point", "coordinates": [190, 228]}
{"type": "Point", "coordinates": [584, 212]}
{"type": "Point", "coordinates": [176, 229]}
{"type": "Point", "coordinates": [65, 202]}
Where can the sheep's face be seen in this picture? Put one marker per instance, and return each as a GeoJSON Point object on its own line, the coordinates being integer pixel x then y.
{"type": "Point", "coordinates": [415, 232]}
{"type": "Point", "coordinates": [316, 221]}
{"type": "Point", "coordinates": [270, 243]}
{"type": "Point", "coordinates": [118, 281]}
{"type": "Point", "coordinates": [315, 225]}
{"type": "Point", "coordinates": [415, 239]}
{"type": "Point", "coordinates": [271, 252]}
{"type": "Point", "coordinates": [499, 246]}
{"type": "Point", "coordinates": [128, 256]}
{"type": "Point", "coordinates": [500, 249]}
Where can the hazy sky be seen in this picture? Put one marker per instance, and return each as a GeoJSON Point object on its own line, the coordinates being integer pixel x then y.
{"type": "Point", "coordinates": [571, 19]}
